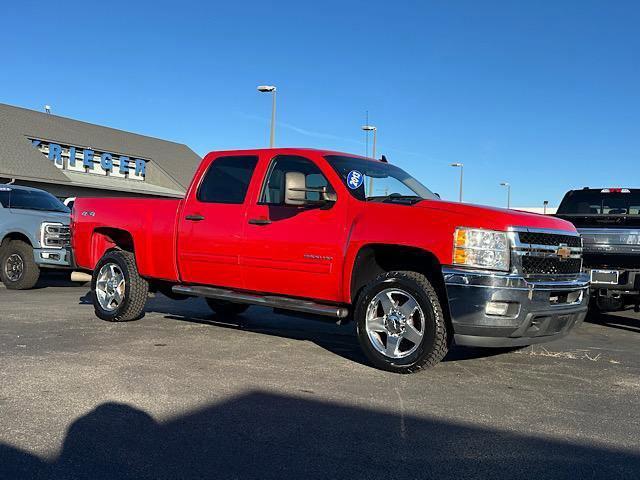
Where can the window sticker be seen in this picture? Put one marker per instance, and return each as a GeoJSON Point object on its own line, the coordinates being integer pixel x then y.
{"type": "Point", "coordinates": [355, 179]}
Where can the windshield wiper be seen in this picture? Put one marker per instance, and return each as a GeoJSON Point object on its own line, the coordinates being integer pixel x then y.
{"type": "Point", "coordinates": [396, 198]}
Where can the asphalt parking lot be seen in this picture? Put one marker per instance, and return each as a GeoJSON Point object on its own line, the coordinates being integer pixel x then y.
{"type": "Point", "coordinates": [185, 394]}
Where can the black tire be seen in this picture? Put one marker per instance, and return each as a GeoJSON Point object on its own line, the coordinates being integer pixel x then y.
{"type": "Point", "coordinates": [136, 288]}
{"type": "Point", "coordinates": [30, 272]}
{"type": "Point", "coordinates": [435, 340]}
{"type": "Point", "coordinates": [226, 309]}
{"type": "Point", "coordinates": [608, 304]}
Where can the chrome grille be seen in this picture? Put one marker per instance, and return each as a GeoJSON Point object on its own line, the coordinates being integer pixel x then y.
{"type": "Point", "coordinates": [553, 239]}
{"type": "Point", "coordinates": [547, 253]}
{"type": "Point", "coordinates": [57, 236]}
{"type": "Point", "coordinates": [550, 266]}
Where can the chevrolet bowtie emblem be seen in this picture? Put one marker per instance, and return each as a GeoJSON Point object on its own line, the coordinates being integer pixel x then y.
{"type": "Point", "coordinates": [563, 252]}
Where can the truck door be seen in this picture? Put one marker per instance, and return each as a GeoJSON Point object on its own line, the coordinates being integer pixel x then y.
{"type": "Point", "coordinates": [212, 223]}
{"type": "Point", "coordinates": [295, 250]}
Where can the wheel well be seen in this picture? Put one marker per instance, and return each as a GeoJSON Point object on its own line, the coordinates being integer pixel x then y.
{"type": "Point", "coordinates": [15, 236]}
{"type": "Point", "coordinates": [105, 239]}
{"type": "Point", "coordinates": [373, 260]}
{"type": "Point", "coordinates": [116, 238]}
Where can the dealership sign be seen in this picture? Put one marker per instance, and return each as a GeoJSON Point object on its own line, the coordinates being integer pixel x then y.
{"type": "Point", "coordinates": [90, 160]}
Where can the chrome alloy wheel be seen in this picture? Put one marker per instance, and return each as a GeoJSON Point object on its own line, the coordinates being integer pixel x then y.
{"type": "Point", "coordinates": [14, 267]}
{"type": "Point", "coordinates": [395, 323]}
{"type": "Point", "coordinates": [110, 287]}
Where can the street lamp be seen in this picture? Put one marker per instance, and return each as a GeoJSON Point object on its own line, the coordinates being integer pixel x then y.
{"type": "Point", "coordinates": [508, 185]}
{"type": "Point", "coordinates": [271, 89]}
{"type": "Point", "coordinates": [545, 205]}
{"type": "Point", "coordinates": [461, 166]}
{"type": "Point", "coordinates": [371, 128]}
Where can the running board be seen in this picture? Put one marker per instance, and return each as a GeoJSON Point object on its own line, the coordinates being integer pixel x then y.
{"type": "Point", "coordinates": [285, 303]}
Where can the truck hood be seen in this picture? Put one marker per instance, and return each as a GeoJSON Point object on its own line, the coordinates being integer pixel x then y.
{"type": "Point", "coordinates": [59, 217]}
{"type": "Point", "coordinates": [492, 218]}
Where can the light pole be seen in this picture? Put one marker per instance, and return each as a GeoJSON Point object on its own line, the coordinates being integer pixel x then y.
{"type": "Point", "coordinates": [461, 166]}
{"type": "Point", "coordinates": [371, 128]}
{"type": "Point", "coordinates": [545, 205]}
{"type": "Point", "coordinates": [508, 185]}
{"type": "Point", "coordinates": [271, 89]}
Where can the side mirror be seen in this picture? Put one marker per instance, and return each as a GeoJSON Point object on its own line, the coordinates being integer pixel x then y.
{"type": "Point", "coordinates": [295, 186]}
{"type": "Point", "coordinates": [295, 192]}
{"type": "Point", "coordinates": [437, 194]}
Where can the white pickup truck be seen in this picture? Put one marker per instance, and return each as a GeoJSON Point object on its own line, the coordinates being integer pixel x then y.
{"type": "Point", "coordinates": [34, 234]}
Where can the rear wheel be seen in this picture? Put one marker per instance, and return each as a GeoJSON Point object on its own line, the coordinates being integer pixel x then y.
{"type": "Point", "coordinates": [119, 292]}
{"type": "Point", "coordinates": [226, 309]}
{"type": "Point", "coordinates": [401, 325]}
{"type": "Point", "coordinates": [18, 269]}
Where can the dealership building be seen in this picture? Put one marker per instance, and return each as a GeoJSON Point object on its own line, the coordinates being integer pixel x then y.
{"type": "Point", "coordinates": [69, 158]}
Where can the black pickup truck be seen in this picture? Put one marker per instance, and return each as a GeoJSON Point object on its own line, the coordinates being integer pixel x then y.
{"type": "Point", "coordinates": [609, 221]}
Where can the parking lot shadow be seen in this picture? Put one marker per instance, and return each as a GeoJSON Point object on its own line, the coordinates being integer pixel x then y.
{"type": "Point", "coordinates": [339, 340]}
{"type": "Point", "coordinates": [266, 436]}
{"type": "Point", "coordinates": [627, 320]}
{"type": "Point", "coordinates": [55, 279]}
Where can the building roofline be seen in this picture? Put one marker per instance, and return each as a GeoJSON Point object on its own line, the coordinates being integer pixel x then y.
{"type": "Point", "coordinates": [119, 130]}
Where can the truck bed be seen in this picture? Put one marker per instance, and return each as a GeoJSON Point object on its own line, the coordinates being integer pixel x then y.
{"type": "Point", "coordinates": [150, 223]}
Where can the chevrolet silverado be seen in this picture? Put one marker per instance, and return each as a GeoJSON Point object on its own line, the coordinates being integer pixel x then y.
{"type": "Point", "coordinates": [344, 237]}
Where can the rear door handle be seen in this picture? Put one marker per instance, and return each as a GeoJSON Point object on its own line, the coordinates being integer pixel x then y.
{"type": "Point", "coordinates": [194, 218]}
{"type": "Point", "coordinates": [259, 221]}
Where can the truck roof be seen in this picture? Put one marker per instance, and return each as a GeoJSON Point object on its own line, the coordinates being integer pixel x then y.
{"type": "Point", "coordinates": [7, 186]}
{"type": "Point", "coordinates": [606, 189]}
{"type": "Point", "coordinates": [292, 151]}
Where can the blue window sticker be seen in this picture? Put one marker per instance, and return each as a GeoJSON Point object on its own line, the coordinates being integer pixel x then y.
{"type": "Point", "coordinates": [355, 179]}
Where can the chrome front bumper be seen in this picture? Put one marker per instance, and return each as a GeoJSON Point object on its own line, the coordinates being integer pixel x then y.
{"type": "Point", "coordinates": [538, 311]}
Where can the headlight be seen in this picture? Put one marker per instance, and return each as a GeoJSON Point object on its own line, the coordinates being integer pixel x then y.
{"type": "Point", "coordinates": [481, 249]}
{"type": "Point", "coordinates": [54, 235]}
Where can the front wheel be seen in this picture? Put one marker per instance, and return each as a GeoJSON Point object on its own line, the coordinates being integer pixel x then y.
{"type": "Point", "coordinates": [119, 292]}
{"type": "Point", "coordinates": [400, 322]}
{"type": "Point", "coordinates": [18, 269]}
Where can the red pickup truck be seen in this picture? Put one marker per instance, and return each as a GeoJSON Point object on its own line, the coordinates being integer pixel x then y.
{"type": "Point", "coordinates": [340, 236]}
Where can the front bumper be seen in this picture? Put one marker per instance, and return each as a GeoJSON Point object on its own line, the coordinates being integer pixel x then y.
{"type": "Point", "coordinates": [54, 258]}
{"type": "Point", "coordinates": [628, 283]}
{"type": "Point", "coordinates": [539, 311]}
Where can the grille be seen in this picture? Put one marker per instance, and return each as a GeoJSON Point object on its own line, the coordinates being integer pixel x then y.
{"type": "Point", "coordinates": [611, 261]}
{"type": "Point", "coordinates": [65, 236]}
{"type": "Point", "coordinates": [58, 237]}
{"type": "Point", "coordinates": [551, 239]}
{"type": "Point", "coordinates": [532, 265]}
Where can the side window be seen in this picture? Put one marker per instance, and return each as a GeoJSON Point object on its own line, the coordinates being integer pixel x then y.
{"type": "Point", "coordinates": [227, 180]}
{"type": "Point", "coordinates": [4, 197]}
{"type": "Point", "coordinates": [273, 191]}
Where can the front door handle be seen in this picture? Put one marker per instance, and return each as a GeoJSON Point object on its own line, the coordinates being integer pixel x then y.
{"type": "Point", "coordinates": [194, 218]}
{"type": "Point", "coordinates": [259, 221]}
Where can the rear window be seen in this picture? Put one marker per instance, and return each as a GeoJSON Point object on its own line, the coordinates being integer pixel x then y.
{"type": "Point", "coordinates": [36, 200]}
{"type": "Point", "coordinates": [227, 180]}
{"type": "Point", "coordinates": [598, 202]}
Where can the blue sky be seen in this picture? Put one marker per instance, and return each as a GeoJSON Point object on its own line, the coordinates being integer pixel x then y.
{"type": "Point", "coordinates": [544, 94]}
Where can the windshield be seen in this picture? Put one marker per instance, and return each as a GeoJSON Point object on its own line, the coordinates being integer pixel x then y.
{"type": "Point", "coordinates": [36, 200]}
{"type": "Point", "coordinates": [369, 180]}
{"type": "Point", "coordinates": [601, 202]}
